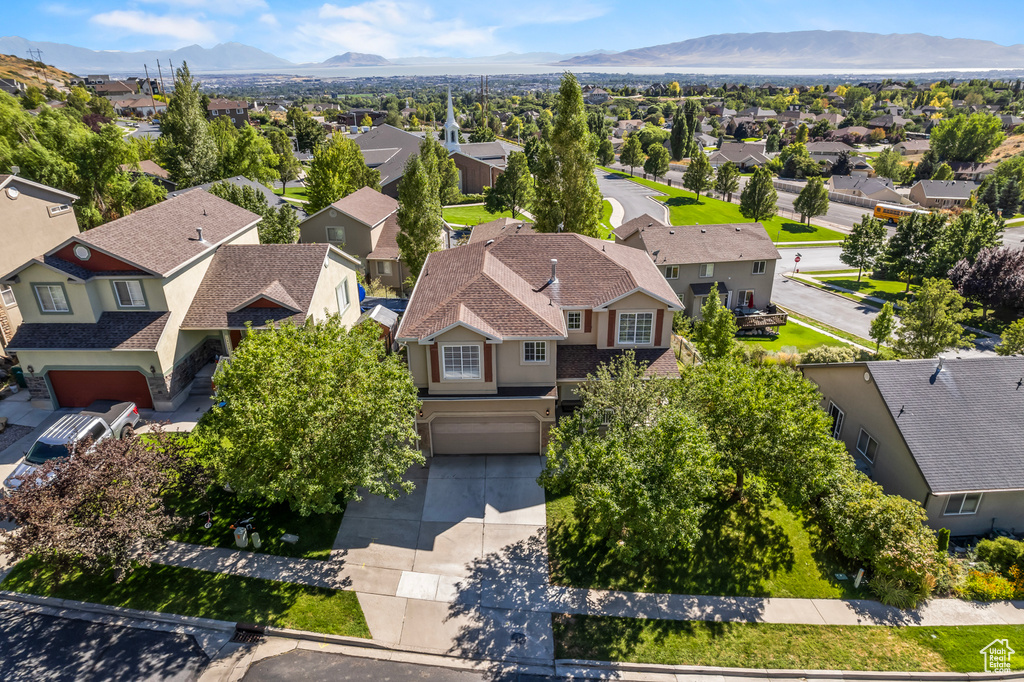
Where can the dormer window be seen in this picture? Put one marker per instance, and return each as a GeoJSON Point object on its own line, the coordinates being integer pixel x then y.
{"type": "Point", "coordinates": [129, 293]}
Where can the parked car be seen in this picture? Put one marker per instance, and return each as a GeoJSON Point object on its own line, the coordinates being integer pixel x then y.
{"type": "Point", "coordinates": [103, 419]}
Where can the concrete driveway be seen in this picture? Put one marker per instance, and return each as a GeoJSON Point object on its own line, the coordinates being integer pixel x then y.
{"type": "Point", "coordinates": [634, 198]}
{"type": "Point", "coordinates": [423, 565]}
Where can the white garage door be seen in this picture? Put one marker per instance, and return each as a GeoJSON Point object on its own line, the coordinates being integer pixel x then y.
{"type": "Point", "coordinates": [485, 435]}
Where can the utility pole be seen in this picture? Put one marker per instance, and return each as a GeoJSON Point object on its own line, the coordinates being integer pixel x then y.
{"type": "Point", "coordinates": [149, 84]}
{"type": "Point", "coordinates": [163, 91]}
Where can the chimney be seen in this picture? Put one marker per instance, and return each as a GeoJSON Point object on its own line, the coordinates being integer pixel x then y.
{"type": "Point", "coordinates": [199, 231]}
{"type": "Point", "coordinates": [554, 275]}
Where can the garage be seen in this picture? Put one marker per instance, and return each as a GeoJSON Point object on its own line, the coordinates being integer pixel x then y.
{"type": "Point", "coordinates": [485, 435]}
{"type": "Point", "coordinates": [80, 388]}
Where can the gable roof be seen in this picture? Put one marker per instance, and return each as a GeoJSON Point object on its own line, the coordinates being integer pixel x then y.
{"type": "Point", "coordinates": [962, 424]}
{"type": "Point", "coordinates": [366, 205]}
{"type": "Point", "coordinates": [630, 227]}
{"type": "Point", "coordinates": [868, 186]}
{"type": "Point", "coordinates": [274, 200]}
{"type": "Point", "coordinates": [947, 189]}
{"type": "Point", "coordinates": [227, 104]}
{"type": "Point", "coordinates": [738, 152]}
{"type": "Point", "coordinates": [390, 138]}
{"type": "Point", "coordinates": [140, 330]}
{"type": "Point", "coordinates": [6, 180]}
{"type": "Point", "coordinates": [241, 274]}
{"type": "Point", "coordinates": [503, 290]}
{"type": "Point", "coordinates": [484, 151]}
{"type": "Point", "coordinates": [819, 147]}
{"type": "Point", "coordinates": [709, 243]}
{"type": "Point", "coordinates": [148, 168]}
{"type": "Point", "coordinates": [502, 227]}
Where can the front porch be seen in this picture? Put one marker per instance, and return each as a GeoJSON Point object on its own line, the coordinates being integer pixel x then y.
{"type": "Point", "coordinates": [753, 320]}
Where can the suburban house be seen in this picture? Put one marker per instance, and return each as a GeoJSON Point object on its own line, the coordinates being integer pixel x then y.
{"type": "Point", "coordinates": [758, 113]}
{"type": "Point", "coordinates": [502, 227]}
{"type": "Point", "coordinates": [144, 107]}
{"type": "Point", "coordinates": [879, 189]}
{"type": "Point", "coordinates": [942, 193]}
{"type": "Point", "coordinates": [596, 96]}
{"type": "Point", "coordinates": [888, 122]}
{"type": "Point", "coordinates": [274, 200]}
{"type": "Point", "coordinates": [946, 433]}
{"type": "Point", "coordinates": [828, 151]}
{"type": "Point", "coordinates": [355, 117]}
{"type": "Point", "coordinates": [12, 87]}
{"type": "Point", "coordinates": [743, 155]}
{"type": "Point", "coordinates": [908, 147]}
{"type": "Point", "coordinates": [114, 90]}
{"type": "Point", "coordinates": [1011, 123]}
{"type": "Point", "coordinates": [973, 172]}
{"type": "Point", "coordinates": [34, 218]}
{"type": "Point", "coordinates": [625, 127]}
{"type": "Point", "coordinates": [152, 170]}
{"type": "Point", "coordinates": [236, 110]}
{"type": "Point", "coordinates": [133, 309]}
{"type": "Point", "coordinates": [739, 258]}
{"type": "Point", "coordinates": [500, 333]}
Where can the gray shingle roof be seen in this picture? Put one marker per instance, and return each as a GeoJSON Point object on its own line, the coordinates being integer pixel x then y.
{"type": "Point", "coordinates": [709, 243]}
{"type": "Point", "coordinates": [964, 425]}
{"type": "Point", "coordinates": [947, 189]}
{"type": "Point", "coordinates": [579, 361]}
{"type": "Point", "coordinates": [114, 331]}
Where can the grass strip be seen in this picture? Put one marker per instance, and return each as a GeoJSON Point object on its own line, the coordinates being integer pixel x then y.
{"type": "Point", "coordinates": [867, 343]}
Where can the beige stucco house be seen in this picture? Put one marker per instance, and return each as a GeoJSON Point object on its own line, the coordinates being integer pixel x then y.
{"type": "Point", "coordinates": [33, 219]}
{"type": "Point", "coordinates": [948, 434]}
{"type": "Point", "coordinates": [942, 193]}
{"type": "Point", "coordinates": [131, 310]}
{"type": "Point", "coordinates": [500, 333]}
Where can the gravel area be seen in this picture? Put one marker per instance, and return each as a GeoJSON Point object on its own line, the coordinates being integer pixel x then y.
{"type": "Point", "coordinates": [12, 434]}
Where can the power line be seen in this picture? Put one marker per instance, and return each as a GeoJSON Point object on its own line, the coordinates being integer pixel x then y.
{"type": "Point", "coordinates": [36, 55]}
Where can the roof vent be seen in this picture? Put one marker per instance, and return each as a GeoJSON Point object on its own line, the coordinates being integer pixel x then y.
{"type": "Point", "coordinates": [488, 242]}
{"type": "Point", "coordinates": [703, 231]}
{"type": "Point", "coordinates": [554, 275]}
{"type": "Point", "coordinates": [199, 233]}
{"type": "Point", "coordinates": [737, 229]}
{"type": "Point", "coordinates": [671, 231]}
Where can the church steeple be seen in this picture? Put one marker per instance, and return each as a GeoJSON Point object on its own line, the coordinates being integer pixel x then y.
{"type": "Point", "coordinates": [451, 128]}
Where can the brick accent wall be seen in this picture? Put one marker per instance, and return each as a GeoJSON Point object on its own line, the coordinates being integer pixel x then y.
{"type": "Point", "coordinates": [37, 387]}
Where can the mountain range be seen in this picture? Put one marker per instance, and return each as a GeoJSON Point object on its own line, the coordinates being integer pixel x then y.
{"type": "Point", "coordinates": [825, 51]}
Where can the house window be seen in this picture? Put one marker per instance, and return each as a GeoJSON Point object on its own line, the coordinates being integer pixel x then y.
{"type": "Point", "coordinates": [238, 111]}
{"type": "Point", "coordinates": [867, 446]}
{"type": "Point", "coordinates": [706, 270]}
{"type": "Point", "coordinates": [958, 505]}
{"type": "Point", "coordinates": [635, 328]}
{"type": "Point", "coordinates": [760, 267]}
{"type": "Point", "coordinates": [745, 298]}
{"type": "Point", "coordinates": [574, 320]}
{"type": "Point", "coordinates": [383, 267]}
{"type": "Point", "coordinates": [7, 294]}
{"type": "Point", "coordinates": [336, 234]}
{"type": "Point", "coordinates": [672, 272]}
{"type": "Point", "coordinates": [837, 419]}
{"type": "Point", "coordinates": [343, 297]}
{"type": "Point", "coordinates": [129, 293]}
{"type": "Point", "coordinates": [233, 119]}
{"type": "Point", "coordinates": [57, 210]}
{"type": "Point", "coordinates": [461, 362]}
{"type": "Point", "coordinates": [51, 298]}
{"type": "Point", "coordinates": [535, 351]}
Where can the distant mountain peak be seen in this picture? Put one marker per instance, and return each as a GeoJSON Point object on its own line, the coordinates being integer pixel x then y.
{"type": "Point", "coordinates": [355, 59]}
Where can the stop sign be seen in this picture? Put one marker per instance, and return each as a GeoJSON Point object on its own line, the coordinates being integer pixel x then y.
{"type": "Point", "coordinates": [797, 259]}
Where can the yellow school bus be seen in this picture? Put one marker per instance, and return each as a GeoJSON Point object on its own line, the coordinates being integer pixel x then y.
{"type": "Point", "coordinates": [892, 213]}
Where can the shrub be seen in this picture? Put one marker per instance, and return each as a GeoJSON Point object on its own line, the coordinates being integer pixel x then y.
{"type": "Point", "coordinates": [988, 586]}
{"type": "Point", "coordinates": [894, 592]}
{"type": "Point", "coordinates": [1001, 554]}
{"type": "Point", "coordinates": [828, 354]}
{"type": "Point", "coordinates": [943, 536]}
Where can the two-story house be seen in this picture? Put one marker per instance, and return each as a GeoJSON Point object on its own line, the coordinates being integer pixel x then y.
{"type": "Point", "coordinates": [740, 258]}
{"type": "Point", "coordinates": [236, 110]}
{"type": "Point", "coordinates": [364, 224]}
{"type": "Point", "coordinates": [947, 433]}
{"type": "Point", "coordinates": [131, 310]}
{"type": "Point", "coordinates": [33, 219]}
{"type": "Point", "coordinates": [499, 334]}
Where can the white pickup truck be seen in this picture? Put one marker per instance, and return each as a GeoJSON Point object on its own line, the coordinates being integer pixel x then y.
{"type": "Point", "coordinates": [103, 419]}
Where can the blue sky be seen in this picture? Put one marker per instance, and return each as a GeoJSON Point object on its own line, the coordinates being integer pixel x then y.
{"type": "Point", "coordinates": [303, 30]}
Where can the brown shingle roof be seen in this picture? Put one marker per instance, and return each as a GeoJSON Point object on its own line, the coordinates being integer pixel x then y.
{"type": "Point", "coordinates": [163, 237]}
{"type": "Point", "coordinates": [629, 228]}
{"type": "Point", "coordinates": [367, 205]}
{"type": "Point", "coordinates": [578, 362]}
{"type": "Point", "coordinates": [709, 243]}
{"type": "Point", "coordinates": [148, 167]}
{"type": "Point", "coordinates": [239, 273]}
{"type": "Point", "coordinates": [114, 331]}
{"type": "Point", "coordinates": [502, 227]}
{"type": "Point", "coordinates": [387, 242]}
{"type": "Point", "coordinates": [226, 104]}
{"type": "Point", "coordinates": [505, 286]}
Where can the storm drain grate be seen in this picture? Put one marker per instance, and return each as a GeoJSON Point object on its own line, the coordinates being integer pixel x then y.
{"type": "Point", "coordinates": [247, 633]}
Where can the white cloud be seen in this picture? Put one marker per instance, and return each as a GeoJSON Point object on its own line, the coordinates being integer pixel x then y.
{"type": "Point", "coordinates": [214, 6]}
{"type": "Point", "coordinates": [269, 19]}
{"type": "Point", "coordinates": [187, 29]}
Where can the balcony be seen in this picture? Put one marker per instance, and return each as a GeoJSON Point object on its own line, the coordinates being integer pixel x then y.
{"type": "Point", "coordinates": [752, 319]}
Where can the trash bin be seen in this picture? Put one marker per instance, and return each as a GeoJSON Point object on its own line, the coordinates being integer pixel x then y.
{"type": "Point", "coordinates": [256, 542]}
{"type": "Point", "coordinates": [19, 376]}
{"type": "Point", "coordinates": [241, 537]}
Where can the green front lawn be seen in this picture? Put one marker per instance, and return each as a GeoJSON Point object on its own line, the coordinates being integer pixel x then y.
{"type": "Point", "coordinates": [686, 208]}
{"type": "Point", "coordinates": [765, 645]}
{"type": "Point", "coordinates": [744, 550]}
{"type": "Point", "coordinates": [293, 191]}
{"type": "Point", "coordinates": [190, 592]}
{"type": "Point", "coordinates": [606, 219]}
{"type": "Point", "coordinates": [880, 288]}
{"type": "Point", "coordinates": [793, 336]}
{"type": "Point", "coordinates": [472, 215]}
{"type": "Point", "coordinates": [316, 532]}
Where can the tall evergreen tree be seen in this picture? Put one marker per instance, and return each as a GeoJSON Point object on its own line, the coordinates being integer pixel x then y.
{"type": "Point", "coordinates": [678, 139]}
{"type": "Point", "coordinates": [513, 189]}
{"type": "Point", "coordinates": [759, 199]}
{"type": "Point", "coordinates": [727, 180]}
{"type": "Point", "coordinates": [189, 153]}
{"type": "Point", "coordinates": [1009, 198]}
{"type": "Point", "coordinates": [419, 216]}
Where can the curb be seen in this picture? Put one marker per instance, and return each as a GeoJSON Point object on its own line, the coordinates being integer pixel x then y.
{"type": "Point", "coordinates": [791, 278]}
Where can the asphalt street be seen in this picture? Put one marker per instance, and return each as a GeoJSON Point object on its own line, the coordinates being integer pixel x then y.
{"type": "Point", "coordinates": [41, 647]}
{"type": "Point", "coordinates": [314, 666]}
{"type": "Point", "coordinates": [633, 196]}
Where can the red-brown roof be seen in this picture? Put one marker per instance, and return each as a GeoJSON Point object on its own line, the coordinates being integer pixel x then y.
{"type": "Point", "coordinates": [366, 205]}
{"type": "Point", "coordinates": [216, 104]}
{"type": "Point", "coordinates": [502, 227]}
{"type": "Point", "coordinates": [387, 242]}
{"type": "Point", "coordinates": [629, 228]}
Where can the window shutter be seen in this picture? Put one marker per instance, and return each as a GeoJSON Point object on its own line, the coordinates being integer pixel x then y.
{"type": "Point", "coordinates": [611, 328]}
{"type": "Point", "coordinates": [488, 373]}
{"type": "Point", "coordinates": [588, 323]}
{"type": "Point", "coordinates": [659, 320]}
{"type": "Point", "coordinates": [435, 364]}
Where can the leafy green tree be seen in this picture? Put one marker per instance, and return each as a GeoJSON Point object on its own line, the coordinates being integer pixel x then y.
{"type": "Point", "coordinates": [699, 175]}
{"type": "Point", "coordinates": [482, 134]}
{"type": "Point", "coordinates": [908, 250]}
{"type": "Point", "coordinates": [943, 172]}
{"type": "Point", "coordinates": [1010, 198]}
{"type": "Point", "coordinates": [251, 156]}
{"type": "Point", "coordinates": [640, 474]}
{"type": "Point", "coordinates": [632, 154]}
{"type": "Point", "coordinates": [277, 226]}
{"type": "Point", "coordinates": [882, 326]}
{"type": "Point", "coordinates": [802, 133]}
{"type": "Point", "coordinates": [356, 405]}
{"type": "Point", "coordinates": [842, 165]}
{"type": "Point", "coordinates": [309, 134]}
{"type": "Point", "coordinates": [188, 151]}
{"type": "Point", "coordinates": [288, 167]}
{"type": "Point", "coordinates": [758, 201]}
{"type": "Point", "coordinates": [715, 333]}
{"type": "Point", "coordinates": [965, 236]}
{"type": "Point", "coordinates": [514, 127]}
{"type": "Point", "coordinates": [1013, 340]}
{"type": "Point", "coordinates": [366, 121]}
{"type": "Point", "coordinates": [444, 175]}
{"type": "Point", "coordinates": [889, 164]}
{"type": "Point", "coordinates": [419, 216]}
{"type": "Point", "coordinates": [657, 162]}
{"type": "Point", "coordinates": [513, 189]}
{"type": "Point", "coordinates": [605, 153]}
{"type": "Point", "coordinates": [727, 180]}
{"type": "Point", "coordinates": [967, 138]}
{"type": "Point", "coordinates": [569, 176]}
{"type": "Point", "coordinates": [812, 200]}
{"type": "Point", "coordinates": [931, 322]}
{"type": "Point", "coordinates": [337, 170]}
{"type": "Point", "coordinates": [864, 245]}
